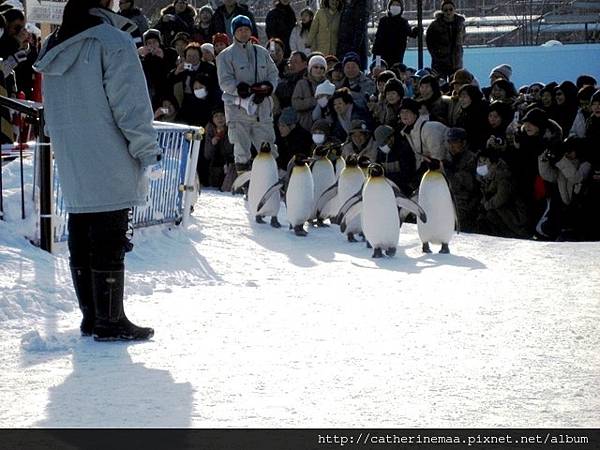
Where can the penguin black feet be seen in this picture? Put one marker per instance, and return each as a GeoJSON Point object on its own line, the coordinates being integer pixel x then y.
{"type": "Point", "coordinates": [426, 248]}
{"type": "Point", "coordinates": [391, 251]}
{"type": "Point", "coordinates": [445, 249]}
{"type": "Point", "coordinates": [362, 236]}
{"type": "Point", "coordinates": [259, 219]}
{"type": "Point", "coordinates": [275, 223]}
{"type": "Point", "coordinates": [351, 237]}
{"type": "Point", "coordinates": [377, 253]}
{"type": "Point", "coordinates": [300, 231]}
{"type": "Point", "coordinates": [321, 224]}
{"type": "Point", "coordinates": [369, 245]}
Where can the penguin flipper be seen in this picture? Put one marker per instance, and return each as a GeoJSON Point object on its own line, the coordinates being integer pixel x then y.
{"type": "Point", "coordinates": [241, 181]}
{"type": "Point", "coordinates": [325, 197]}
{"type": "Point", "coordinates": [413, 207]}
{"type": "Point", "coordinates": [456, 222]}
{"type": "Point", "coordinates": [352, 212]}
{"type": "Point", "coordinates": [347, 205]}
{"type": "Point", "coordinates": [265, 198]}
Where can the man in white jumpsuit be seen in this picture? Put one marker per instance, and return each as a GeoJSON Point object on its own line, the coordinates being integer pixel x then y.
{"type": "Point", "coordinates": [248, 77]}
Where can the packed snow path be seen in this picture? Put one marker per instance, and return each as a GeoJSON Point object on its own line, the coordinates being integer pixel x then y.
{"type": "Point", "coordinates": [256, 327]}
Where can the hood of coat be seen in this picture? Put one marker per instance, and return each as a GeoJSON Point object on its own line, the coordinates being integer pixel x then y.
{"type": "Point", "coordinates": [438, 15]}
{"type": "Point", "coordinates": [61, 57]}
{"type": "Point", "coordinates": [190, 11]}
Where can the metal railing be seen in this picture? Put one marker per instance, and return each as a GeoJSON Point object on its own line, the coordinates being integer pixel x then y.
{"type": "Point", "coordinates": [169, 197]}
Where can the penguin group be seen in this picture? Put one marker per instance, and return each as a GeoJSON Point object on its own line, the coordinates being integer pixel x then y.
{"type": "Point", "coordinates": [352, 193]}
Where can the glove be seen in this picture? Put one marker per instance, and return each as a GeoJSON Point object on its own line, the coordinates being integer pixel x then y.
{"type": "Point", "coordinates": [13, 61]}
{"type": "Point", "coordinates": [154, 172]}
{"type": "Point", "coordinates": [243, 90]}
{"type": "Point", "coordinates": [261, 91]}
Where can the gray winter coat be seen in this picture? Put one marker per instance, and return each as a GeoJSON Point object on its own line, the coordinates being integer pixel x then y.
{"type": "Point", "coordinates": [99, 119]}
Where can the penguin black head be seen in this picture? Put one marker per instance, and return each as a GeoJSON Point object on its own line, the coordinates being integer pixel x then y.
{"type": "Point", "coordinates": [320, 151]}
{"type": "Point", "coordinates": [376, 170]}
{"type": "Point", "coordinates": [335, 150]}
{"type": "Point", "coordinates": [352, 161]}
{"type": "Point", "coordinates": [434, 164]}
{"type": "Point", "coordinates": [300, 159]}
{"type": "Point", "coordinates": [364, 161]}
{"type": "Point", "coordinates": [265, 147]}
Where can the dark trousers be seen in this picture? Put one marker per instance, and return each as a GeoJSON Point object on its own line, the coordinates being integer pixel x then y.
{"type": "Point", "coordinates": [98, 240]}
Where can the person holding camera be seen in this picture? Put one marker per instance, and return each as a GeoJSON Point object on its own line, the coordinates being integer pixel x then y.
{"type": "Point", "coordinates": [175, 18]}
{"type": "Point", "coordinates": [157, 61]}
{"type": "Point", "coordinates": [247, 77]}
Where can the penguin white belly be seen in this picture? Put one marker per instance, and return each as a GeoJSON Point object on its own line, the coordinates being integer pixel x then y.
{"type": "Point", "coordinates": [340, 164]}
{"type": "Point", "coordinates": [435, 199]}
{"type": "Point", "coordinates": [348, 185]}
{"type": "Point", "coordinates": [323, 177]}
{"type": "Point", "coordinates": [262, 177]}
{"type": "Point", "coordinates": [300, 196]}
{"type": "Point", "coordinates": [380, 221]}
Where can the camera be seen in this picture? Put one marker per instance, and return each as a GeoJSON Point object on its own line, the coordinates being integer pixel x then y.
{"type": "Point", "coordinates": [187, 66]}
{"type": "Point", "coordinates": [164, 110]}
{"type": "Point", "coordinates": [498, 141]}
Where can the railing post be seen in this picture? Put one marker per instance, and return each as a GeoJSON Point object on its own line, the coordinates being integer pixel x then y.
{"type": "Point", "coordinates": [420, 35]}
{"type": "Point", "coordinates": [190, 175]}
{"type": "Point", "coordinates": [46, 238]}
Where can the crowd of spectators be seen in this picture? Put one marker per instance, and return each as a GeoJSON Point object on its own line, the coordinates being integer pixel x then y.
{"type": "Point", "coordinates": [522, 162]}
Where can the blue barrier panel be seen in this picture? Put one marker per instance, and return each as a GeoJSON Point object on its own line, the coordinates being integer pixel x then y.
{"type": "Point", "coordinates": [165, 195]}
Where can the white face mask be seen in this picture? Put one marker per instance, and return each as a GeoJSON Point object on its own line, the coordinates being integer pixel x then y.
{"type": "Point", "coordinates": [395, 10]}
{"type": "Point", "coordinates": [200, 93]}
{"type": "Point", "coordinates": [318, 138]}
{"type": "Point", "coordinates": [385, 148]}
{"type": "Point", "coordinates": [482, 170]}
{"type": "Point", "coordinates": [322, 101]}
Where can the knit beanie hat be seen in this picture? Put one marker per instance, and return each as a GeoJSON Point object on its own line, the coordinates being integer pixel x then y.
{"type": "Point", "coordinates": [503, 69]}
{"type": "Point", "coordinates": [411, 105]}
{"type": "Point", "coordinates": [394, 84]}
{"type": "Point", "coordinates": [537, 117]}
{"type": "Point", "coordinates": [220, 37]}
{"type": "Point", "coordinates": [351, 57]}
{"type": "Point", "coordinates": [208, 47]}
{"type": "Point", "coordinates": [207, 8]}
{"type": "Point", "coordinates": [462, 76]}
{"type": "Point", "coordinates": [288, 116]}
{"type": "Point", "coordinates": [382, 134]}
{"type": "Point", "coordinates": [152, 33]}
{"type": "Point", "coordinates": [325, 88]}
{"type": "Point", "coordinates": [240, 21]}
{"type": "Point", "coordinates": [384, 76]}
{"type": "Point", "coordinates": [321, 125]}
{"type": "Point", "coordinates": [317, 60]}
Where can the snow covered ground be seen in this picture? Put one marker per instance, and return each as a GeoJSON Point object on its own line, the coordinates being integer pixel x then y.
{"type": "Point", "coordinates": [256, 327]}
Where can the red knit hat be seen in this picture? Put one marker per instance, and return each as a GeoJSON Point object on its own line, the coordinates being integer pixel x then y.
{"type": "Point", "coordinates": [221, 37]}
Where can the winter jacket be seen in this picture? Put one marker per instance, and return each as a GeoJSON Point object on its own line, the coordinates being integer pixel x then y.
{"type": "Point", "coordinates": [427, 138]}
{"type": "Point", "coordinates": [203, 35]}
{"type": "Point", "coordinates": [298, 40]}
{"type": "Point", "coordinates": [222, 20]}
{"type": "Point", "coordinates": [279, 23]}
{"type": "Point", "coordinates": [323, 35]}
{"type": "Point", "coordinates": [399, 164]}
{"type": "Point", "coordinates": [99, 118]}
{"type": "Point", "coordinates": [361, 88]}
{"type": "Point", "coordinates": [220, 153]}
{"type": "Point", "coordinates": [502, 211]}
{"type": "Point", "coordinates": [369, 149]}
{"type": "Point", "coordinates": [136, 16]}
{"type": "Point", "coordinates": [474, 119]}
{"type": "Point", "coordinates": [298, 141]}
{"type": "Point", "coordinates": [182, 84]}
{"type": "Point", "coordinates": [285, 88]}
{"type": "Point", "coordinates": [182, 22]}
{"type": "Point", "coordinates": [444, 42]}
{"type": "Point", "coordinates": [339, 129]}
{"type": "Point", "coordinates": [460, 171]}
{"type": "Point", "coordinates": [568, 174]}
{"type": "Point", "coordinates": [250, 64]}
{"type": "Point", "coordinates": [304, 101]}
{"type": "Point", "coordinates": [438, 108]}
{"type": "Point", "coordinates": [353, 36]}
{"type": "Point", "coordinates": [156, 71]}
{"type": "Point", "coordinates": [390, 38]}
{"type": "Point", "coordinates": [578, 127]}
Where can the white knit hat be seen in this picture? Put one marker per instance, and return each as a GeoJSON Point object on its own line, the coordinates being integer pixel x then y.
{"type": "Point", "coordinates": [317, 60]}
{"type": "Point", "coordinates": [326, 87]}
{"type": "Point", "coordinates": [208, 48]}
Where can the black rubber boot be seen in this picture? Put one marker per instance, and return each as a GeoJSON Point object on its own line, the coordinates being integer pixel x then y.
{"type": "Point", "coordinates": [82, 282]}
{"type": "Point", "coordinates": [377, 253]}
{"type": "Point", "coordinates": [274, 222]}
{"type": "Point", "coordinates": [111, 322]}
{"type": "Point", "coordinates": [300, 231]}
{"type": "Point", "coordinates": [445, 249]}
{"type": "Point", "coordinates": [426, 248]}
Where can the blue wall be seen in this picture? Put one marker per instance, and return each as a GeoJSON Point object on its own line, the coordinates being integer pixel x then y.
{"type": "Point", "coordinates": [529, 64]}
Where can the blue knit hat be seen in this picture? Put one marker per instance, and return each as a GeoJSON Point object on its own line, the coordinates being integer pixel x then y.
{"type": "Point", "coordinates": [351, 57]}
{"type": "Point", "coordinates": [240, 21]}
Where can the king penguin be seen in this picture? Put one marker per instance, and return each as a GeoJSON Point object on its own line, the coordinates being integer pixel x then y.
{"type": "Point", "coordinates": [323, 174]}
{"type": "Point", "coordinates": [350, 183]}
{"type": "Point", "coordinates": [263, 175]}
{"type": "Point", "coordinates": [300, 194]}
{"type": "Point", "coordinates": [379, 203]}
{"type": "Point", "coordinates": [436, 199]}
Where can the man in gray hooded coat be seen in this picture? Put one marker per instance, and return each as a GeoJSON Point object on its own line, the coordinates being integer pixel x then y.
{"type": "Point", "coordinates": [99, 120]}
